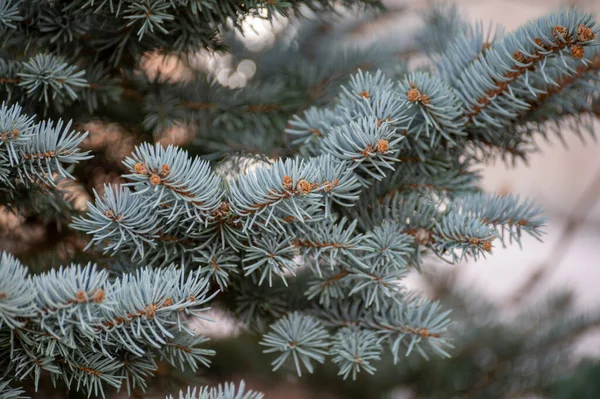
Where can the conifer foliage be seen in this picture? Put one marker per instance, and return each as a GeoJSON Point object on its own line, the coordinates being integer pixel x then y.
{"type": "Point", "coordinates": [368, 170]}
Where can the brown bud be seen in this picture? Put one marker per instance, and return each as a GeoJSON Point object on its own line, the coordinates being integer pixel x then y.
{"type": "Point", "coordinates": [111, 215]}
{"type": "Point", "coordinates": [383, 145]}
{"type": "Point", "coordinates": [368, 151]}
{"type": "Point", "coordinates": [222, 210]}
{"type": "Point", "coordinates": [518, 56]}
{"type": "Point", "coordinates": [422, 236]}
{"type": "Point", "coordinates": [81, 297]}
{"type": "Point", "coordinates": [140, 168]}
{"type": "Point", "coordinates": [577, 51]}
{"type": "Point", "coordinates": [584, 33]}
{"type": "Point", "coordinates": [539, 42]}
{"type": "Point", "coordinates": [487, 246]}
{"type": "Point", "coordinates": [165, 170]}
{"type": "Point", "coordinates": [413, 95]}
{"type": "Point", "coordinates": [150, 311]}
{"type": "Point", "coordinates": [328, 185]}
{"type": "Point", "coordinates": [380, 121]}
{"type": "Point", "coordinates": [424, 99]}
{"type": "Point", "coordinates": [154, 179]}
{"type": "Point", "coordinates": [474, 241]}
{"type": "Point", "coordinates": [98, 295]}
{"type": "Point", "coordinates": [364, 94]}
{"type": "Point", "coordinates": [168, 302]}
{"type": "Point", "coordinates": [316, 132]}
{"type": "Point", "coordinates": [560, 32]}
{"type": "Point", "coordinates": [303, 187]}
{"type": "Point", "coordinates": [288, 183]}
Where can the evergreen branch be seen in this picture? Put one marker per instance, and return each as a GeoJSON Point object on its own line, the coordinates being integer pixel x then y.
{"type": "Point", "coordinates": [7, 392]}
{"type": "Point", "coordinates": [16, 293]}
{"type": "Point", "coordinates": [49, 147]}
{"type": "Point", "coordinates": [432, 108]}
{"type": "Point", "coordinates": [270, 255]}
{"type": "Point", "coordinates": [119, 220]}
{"type": "Point", "coordinates": [514, 56]}
{"type": "Point", "coordinates": [564, 82]}
{"type": "Point", "coordinates": [121, 320]}
{"type": "Point", "coordinates": [301, 337]}
{"type": "Point", "coordinates": [169, 176]}
{"type": "Point", "coordinates": [49, 78]}
{"type": "Point", "coordinates": [226, 391]}
{"type": "Point", "coordinates": [184, 350]}
{"type": "Point", "coordinates": [354, 351]}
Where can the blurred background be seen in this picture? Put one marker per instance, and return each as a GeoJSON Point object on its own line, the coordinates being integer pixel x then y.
{"type": "Point", "coordinates": [510, 308]}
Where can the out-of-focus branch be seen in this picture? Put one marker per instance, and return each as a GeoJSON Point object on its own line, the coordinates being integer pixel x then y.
{"type": "Point", "coordinates": [578, 217]}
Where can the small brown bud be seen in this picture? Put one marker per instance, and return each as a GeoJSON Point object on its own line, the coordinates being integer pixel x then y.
{"type": "Point", "coordinates": [98, 295]}
{"type": "Point", "coordinates": [81, 297]}
{"type": "Point", "coordinates": [368, 151]}
{"type": "Point", "coordinates": [424, 99]}
{"type": "Point", "coordinates": [560, 32]}
{"type": "Point", "coordinates": [165, 170]}
{"type": "Point", "coordinates": [3, 295]}
{"type": "Point", "coordinates": [577, 51]}
{"type": "Point", "coordinates": [223, 210]}
{"type": "Point", "coordinates": [422, 236]}
{"type": "Point", "coordinates": [423, 332]}
{"type": "Point", "coordinates": [288, 183]}
{"type": "Point", "coordinates": [12, 134]}
{"type": "Point", "coordinates": [474, 241]}
{"type": "Point", "coordinates": [154, 179]}
{"type": "Point", "coordinates": [518, 56]}
{"type": "Point", "coordinates": [303, 187]}
{"type": "Point", "coordinates": [364, 94]}
{"type": "Point", "coordinates": [316, 132]}
{"type": "Point", "coordinates": [111, 215]}
{"type": "Point", "coordinates": [540, 42]}
{"type": "Point", "coordinates": [383, 145]}
{"type": "Point", "coordinates": [329, 185]}
{"type": "Point", "coordinates": [584, 33]}
{"type": "Point", "coordinates": [140, 168]}
{"type": "Point", "coordinates": [150, 311]}
{"type": "Point", "coordinates": [487, 246]}
{"type": "Point", "coordinates": [168, 302]}
{"type": "Point", "coordinates": [413, 95]}
{"type": "Point", "coordinates": [380, 121]}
